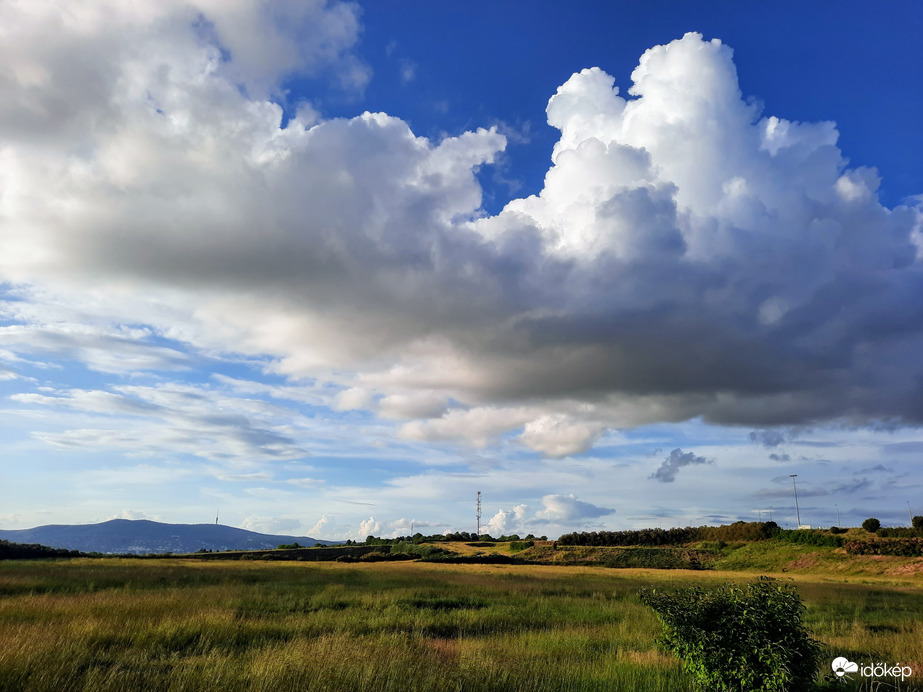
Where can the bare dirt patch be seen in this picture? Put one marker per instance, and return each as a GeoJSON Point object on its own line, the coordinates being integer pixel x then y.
{"type": "Point", "coordinates": [914, 567]}
{"type": "Point", "coordinates": [803, 562]}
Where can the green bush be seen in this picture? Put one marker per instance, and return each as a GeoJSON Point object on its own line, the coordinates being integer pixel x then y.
{"type": "Point", "coordinates": [748, 637]}
{"type": "Point", "coordinates": [414, 550]}
{"type": "Point", "coordinates": [897, 532]}
{"type": "Point", "coordinates": [518, 546]}
{"type": "Point", "coordinates": [917, 522]}
{"type": "Point", "coordinates": [809, 537]}
{"type": "Point", "coordinates": [900, 547]}
{"type": "Point", "coordinates": [871, 525]}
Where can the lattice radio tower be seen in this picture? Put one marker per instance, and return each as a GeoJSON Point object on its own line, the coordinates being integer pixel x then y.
{"type": "Point", "coordinates": [479, 513]}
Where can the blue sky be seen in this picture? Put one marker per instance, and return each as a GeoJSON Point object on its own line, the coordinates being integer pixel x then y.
{"type": "Point", "coordinates": [331, 268]}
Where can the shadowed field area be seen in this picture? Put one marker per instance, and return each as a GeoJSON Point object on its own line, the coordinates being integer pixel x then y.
{"type": "Point", "coordinates": [112, 624]}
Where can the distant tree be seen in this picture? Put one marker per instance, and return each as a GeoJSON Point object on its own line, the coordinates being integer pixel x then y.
{"type": "Point", "coordinates": [871, 525]}
{"type": "Point", "coordinates": [918, 523]}
{"type": "Point", "coordinates": [769, 529]}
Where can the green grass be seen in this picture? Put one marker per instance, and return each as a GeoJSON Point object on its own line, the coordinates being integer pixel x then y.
{"type": "Point", "coordinates": [185, 625]}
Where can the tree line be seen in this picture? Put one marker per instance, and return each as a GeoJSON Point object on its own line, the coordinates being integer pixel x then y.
{"type": "Point", "coordinates": [738, 531]}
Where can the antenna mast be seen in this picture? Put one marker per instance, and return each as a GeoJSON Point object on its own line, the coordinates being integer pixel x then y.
{"type": "Point", "coordinates": [216, 517]}
{"type": "Point", "coordinates": [479, 513]}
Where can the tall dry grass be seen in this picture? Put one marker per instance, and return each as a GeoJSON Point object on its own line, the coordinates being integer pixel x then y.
{"type": "Point", "coordinates": [184, 625]}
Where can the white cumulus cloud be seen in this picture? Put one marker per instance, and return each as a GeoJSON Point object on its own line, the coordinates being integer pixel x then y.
{"type": "Point", "coordinates": [688, 255]}
{"type": "Point", "coordinates": [368, 527]}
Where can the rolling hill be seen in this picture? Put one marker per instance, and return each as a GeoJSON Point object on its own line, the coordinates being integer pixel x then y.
{"type": "Point", "coordinates": [142, 536]}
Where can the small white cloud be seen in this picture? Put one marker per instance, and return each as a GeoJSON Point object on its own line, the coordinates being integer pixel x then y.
{"type": "Point", "coordinates": [368, 527]}
{"type": "Point", "coordinates": [319, 530]}
{"type": "Point", "coordinates": [497, 526]}
{"type": "Point", "coordinates": [133, 514]}
{"type": "Point", "coordinates": [408, 71]}
{"type": "Point", "coordinates": [558, 508]}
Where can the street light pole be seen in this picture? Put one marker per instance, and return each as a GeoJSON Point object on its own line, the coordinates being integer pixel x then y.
{"type": "Point", "coordinates": [797, 512]}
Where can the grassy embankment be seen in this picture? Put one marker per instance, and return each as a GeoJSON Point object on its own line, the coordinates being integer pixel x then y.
{"type": "Point", "coordinates": [252, 625]}
{"type": "Point", "coordinates": [771, 557]}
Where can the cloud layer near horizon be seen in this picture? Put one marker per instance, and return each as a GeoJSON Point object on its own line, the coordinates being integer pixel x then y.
{"type": "Point", "coordinates": [688, 255]}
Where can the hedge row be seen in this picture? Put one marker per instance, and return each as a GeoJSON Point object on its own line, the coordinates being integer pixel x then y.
{"type": "Point", "coordinates": [899, 532]}
{"type": "Point", "coordinates": [810, 538]}
{"type": "Point", "coordinates": [33, 551]}
{"type": "Point", "coordinates": [903, 547]}
{"type": "Point", "coordinates": [738, 531]}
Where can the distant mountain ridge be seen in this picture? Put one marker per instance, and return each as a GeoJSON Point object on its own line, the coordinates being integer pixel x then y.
{"type": "Point", "coordinates": [141, 536]}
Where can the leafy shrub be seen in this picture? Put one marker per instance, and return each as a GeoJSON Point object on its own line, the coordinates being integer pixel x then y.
{"type": "Point", "coordinates": [735, 637]}
{"type": "Point", "coordinates": [810, 538]}
{"type": "Point", "coordinates": [917, 523]}
{"type": "Point", "coordinates": [413, 550]}
{"type": "Point", "coordinates": [402, 547]}
{"type": "Point", "coordinates": [713, 545]}
{"type": "Point", "coordinates": [837, 529]}
{"type": "Point", "coordinates": [901, 547]}
{"type": "Point", "coordinates": [517, 546]}
{"type": "Point", "coordinates": [897, 532]}
{"type": "Point", "coordinates": [379, 556]}
{"type": "Point", "coordinates": [654, 558]}
{"type": "Point", "coordinates": [871, 525]}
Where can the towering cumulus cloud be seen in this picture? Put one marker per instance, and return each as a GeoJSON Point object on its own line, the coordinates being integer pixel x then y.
{"type": "Point", "coordinates": [687, 256]}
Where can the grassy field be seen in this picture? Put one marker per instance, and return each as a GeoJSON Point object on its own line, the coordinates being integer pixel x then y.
{"type": "Point", "coordinates": [114, 624]}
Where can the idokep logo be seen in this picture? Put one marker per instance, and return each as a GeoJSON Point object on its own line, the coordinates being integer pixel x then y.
{"type": "Point", "coordinates": [842, 666]}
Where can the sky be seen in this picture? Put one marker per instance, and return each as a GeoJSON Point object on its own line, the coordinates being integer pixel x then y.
{"type": "Point", "coordinates": [330, 269]}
